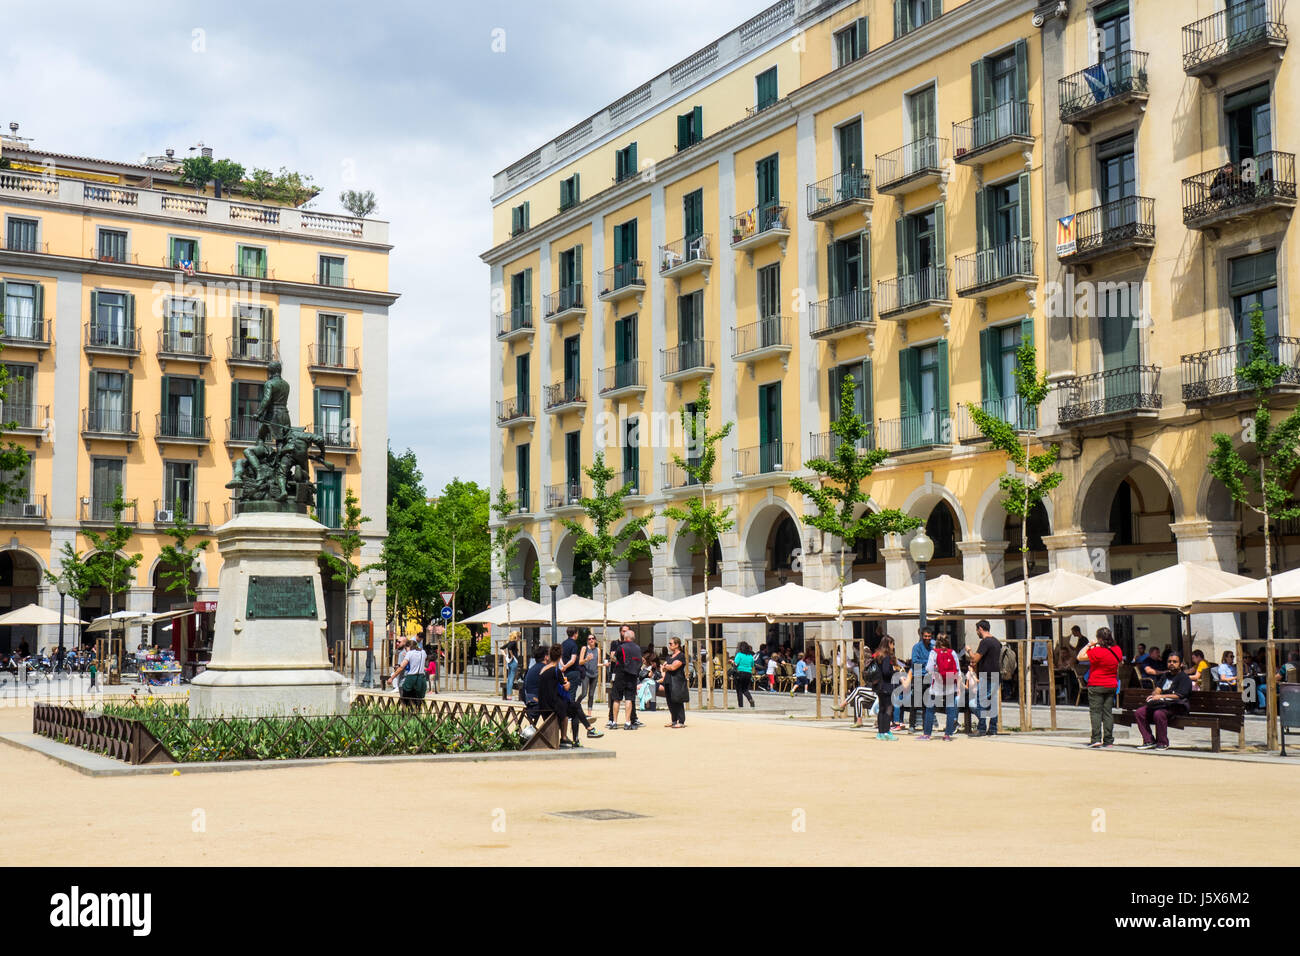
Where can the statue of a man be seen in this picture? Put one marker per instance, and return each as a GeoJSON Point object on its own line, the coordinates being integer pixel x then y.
{"type": "Point", "coordinates": [293, 467]}
{"type": "Point", "coordinates": [273, 410]}
{"type": "Point", "coordinates": [252, 468]}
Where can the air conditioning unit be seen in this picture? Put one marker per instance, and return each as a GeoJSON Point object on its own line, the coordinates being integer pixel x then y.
{"type": "Point", "coordinates": [163, 516]}
{"type": "Point", "coordinates": [31, 510]}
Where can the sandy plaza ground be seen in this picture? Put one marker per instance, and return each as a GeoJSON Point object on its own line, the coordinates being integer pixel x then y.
{"type": "Point", "coordinates": [729, 789]}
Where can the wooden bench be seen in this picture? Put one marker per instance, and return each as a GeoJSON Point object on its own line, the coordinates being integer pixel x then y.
{"type": "Point", "coordinates": [1215, 710]}
{"type": "Point", "coordinates": [548, 733]}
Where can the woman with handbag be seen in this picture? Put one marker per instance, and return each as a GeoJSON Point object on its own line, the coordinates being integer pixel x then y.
{"type": "Point", "coordinates": [414, 683]}
{"type": "Point", "coordinates": [554, 696]}
{"type": "Point", "coordinates": [676, 690]}
{"type": "Point", "coordinates": [510, 658]}
{"type": "Point", "coordinates": [880, 674]}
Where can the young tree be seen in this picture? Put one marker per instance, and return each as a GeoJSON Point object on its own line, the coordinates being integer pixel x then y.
{"type": "Point", "coordinates": [343, 566]}
{"type": "Point", "coordinates": [599, 545]}
{"type": "Point", "coordinates": [705, 522]}
{"type": "Point", "coordinates": [177, 560]}
{"type": "Point", "coordinates": [1276, 462]}
{"type": "Point", "coordinates": [197, 171]}
{"type": "Point", "coordinates": [360, 203]}
{"type": "Point", "coordinates": [106, 565]}
{"type": "Point", "coordinates": [1034, 478]}
{"type": "Point", "coordinates": [505, 549]}
{"type": "Point", "coordinates": [839, 493]}
{"type": "Point", "coordinates": [73, 570]}
{"type": "Point", "coordinates": [227, 174]}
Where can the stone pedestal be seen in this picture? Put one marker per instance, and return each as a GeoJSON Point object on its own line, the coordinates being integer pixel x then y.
{"type": "Point", "coordinates": [269, 663]}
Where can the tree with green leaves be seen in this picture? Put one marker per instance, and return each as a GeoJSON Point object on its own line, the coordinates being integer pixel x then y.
{"type": "Point", "coordinates": [839, 494]}
{"type": "Point", "coordinates": [227, 174]}
{"type": "Point", "coordinates": [361, 203]}
{"type": "Point", "coordinates": [599, 545]}
{"type": "Point", "coordinates": [705, 522]}
{"type": "Point", "coordinates": [73, 570]}
{"type": "Point", "coordinates": [342, 563]}
{"type": "Point", "coordinates": [106, 565]}
{"type": "Point", "coordinates": [505, 549]}
{"type": "Point", "coordinates": [177, 560]}
{"type": "Point", "coordinates": [1276, 461]}
{"type": "Point", "coordinates": [1032, 481]}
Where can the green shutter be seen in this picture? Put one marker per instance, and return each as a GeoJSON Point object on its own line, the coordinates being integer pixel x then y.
{"type": "Point", "coordinates": [577, 271]}
{"type": "Point", "coordinates": [266, 331]}
{"type": "Point", "coordinates": [832, 274]}
{"type": "Point", "coordinates": [989, 384]}
{"type": "Point", "coordinates": [199, 403]}
{"type": "Point", "coordinates": [936, 10]}
{"type": "Point", "coordinates": [631, 160]}
{"type": "Point", "coordinates": [683, 130]}
{"type": "Point", "coordinates": [868, 404]}
{"type": "Point", "coordinates": [900, 245]}
{"type": "Point", "coordinates": [836, 378]}
{"type": "Point", "coordinates": [982, 219]}
{"type": "Point", "coordinates": [525, 215]}
{"type": "Point", "coordinates": [234, 405]}
{"type": "Point", "coordinates": [128, 399]}
{"type": "Point", "coordinates": [909, 368]}
{"type": "Point", "coordinates": [40, 300]}
{"type": "Point", "coordinates": [1026, 216]}
{"type": "Point", "coordinates": [166, 387]}
{"type": "Point", "coordinates": [528, 293]}
{"type": "Point", "coordinates": [200, 318]}
{"type": "Point", "coordinates": [90, 403]}
{"type": "Point", "coordinates": [130, 310]}
{"type": "Point", "coordinates": [697, 126]}
{"type": "Point", "coordinates": [315, 409]}
{"type": "Point", "coordinates": [94, 307]}
{"type": "Point", "coordinates": [940, 238]}
{"type": "Point", "coordinates": [1022, 71]}
{"type": "Point", "coordinates": [1027, 329]}
{"type": "Point", "coordinates": [941, 385]}
{"type": "Point", "coordinates": [900, 18]}
{"type": "Point", "coordinates": [977, 88]}
{"type": "Point", "coordinates": [347, 409]}
{"type": "Point", "coordinates": [860, 28]}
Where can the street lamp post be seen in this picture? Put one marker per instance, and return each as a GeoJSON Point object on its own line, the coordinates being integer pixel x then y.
{"type": "Point", "coordinates": [922, 550]}
{"type": "Point", "coordinates": [368, 592]}
{"type": "Point", "coordinates": [552, 577]}
{"type": "Point", "coordinates": [62, 585]}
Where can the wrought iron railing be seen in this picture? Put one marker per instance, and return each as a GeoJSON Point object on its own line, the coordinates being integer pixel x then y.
{"type": "Point", "coordinates": [1216, 372]}
{"type": "Point", "coordinates": [190, 427]}
{"type": "Point", "coordinates": [1119, 221]}
{"type": "Point", "coordinates": [565, 494]}
{"type": "Point", "coordinates": [849, 186]}
{"type": "Point", "coordinates": [333, 355]}
{"type": "Point", "coordinates": [914, 432]}
{"type": "Point", "coordinates": [1127, 389]}
{"type": "Point", "coordinates": [569, 392]}
{"type": "Point", "coordinates": [1010, 409]}
{"type": "Point", "coordinates": [1232, 31]}
{"type": "Point", "coordinates": [1004, 121]}
{"type": "Point", "coordinates": [27, 330]}
{"type": "Point", "coordinates": [30, 507]}
{"type": "Point", "coordinates": [517, 319]}
{"type": "Point", "coordinates": [1108, 78]}
{"type": "Point", "coordinates": [99, 511]}
{"type": "Point", "coordinates": [756, 220]}
{"type": "Point", "coordinates": [1249, 183]}
{"type": "Point", "coordinates": [110, 421]}
{"type": "Point", "coordinates": [242, 428]}
{"type": "Point", "coordinates": [765, 459]}
{"type": "Point", "coordinates": [565, 298]}
{"type": "Point", "coordinates": [107, 335]}
{"type": "Point", "coordinates": [634, 477]}
{"type": "Point", "coordinates": [687, 356]}
{"type": "Point", "coordinates": [510, 409]}
{"type": "Point", "coordinates": [911, 290]}
{"type": "Point", "coordinates": [922, 156]}
{"type": "Point", "coordinates": [24, 415]}
{"type": "Point", "coordinates": [622, 276]}
{"type": "Point", "coordinates": [21, 242]}
{"type": "Point", "coordinates": [840, 312]}
{"type": "Point", "coordinates": [343, 435]}
{"type": "Point", "coordinates": [825, 445]}
{"type": "Point", "coordinates": [769, 332]}
{"type": "Point", "coordinates": [193, 512]}
{"type": "Point", "coordinates": [622, 375]}
{"type": "Point", "coordinates": [684, 250]}
{"type": "Point", "coordinates": [1010, 260]}
{"type": "Point", "coordinates": [190, 344]}
{"type": "Point", "coordinates": [521, 501]}
{"type": "Point", "coordinates": [677, 477]}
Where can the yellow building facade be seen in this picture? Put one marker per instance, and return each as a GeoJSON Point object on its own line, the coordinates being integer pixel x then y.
{"type": "Point", "coordinates": [140, 319]}
{"type": "Point", "coordinates": [900, 191]}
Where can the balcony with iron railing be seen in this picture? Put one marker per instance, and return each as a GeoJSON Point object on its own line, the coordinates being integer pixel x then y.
{"type": "Point", "coordinates": [332, 357]}
{"type": "Point", "coordinates": [841, 315]}
{"type": "Point", "coordinates": [569, 395]}
{"type": "Point", "coordinates": [1241, 31]}
{"type": "Point", "coordinates": [1215, 374]}
{"type": "Point", "coordinates": [241, 430]}
{"type": "Point", "coordinates": [177, 262]}
{"type": "Point", "coordinates": [998, 269]}
{"type": "Point", "coordinates": [195, 513]}
{"type": "Point", "coordinates": [635, 480]}
{"type": "Point", "coordinates": [688, 360]}
{"type": "Point", "coordinates": [110, 423]}
{"type": "Point", "coordinates": [517, 323]}
{"type": "Point", "coordinates": [1112, 82]}
{"type": "Point", "coordinates": [23, 243]}
{"type": "Point", "coordinates": [24, 508]}
{"type": "Point", "coordinates": [255, 352]}
{"type": "Point", "coordinates": [566, 302]}
{"type": "Point", "coordinates": [1239, 193]}
{"type": "Point", "coordinates": [1010, 409]}
{"type": "Point", "coordinates": [24, 419]}
{"type": "Point", "coordinates": [1120, 226]}
{"type": "Point", "coordinates": [766, 460]}
{"type": "Point", "coordinates": [825, 446]}
{"type": "Point", "coordinates": [993, 134]}
{"type": "Point", "coordinates": [841, 195]}
{"type": "Point", "coordinates": [760, 226]}
{"type": "Point", "coordinates": [622, 280]}
{"type": "Point", "coordinates": [186, 346]}
{"type": "Point", "coordinates": [521, 503]}
{"type": "Point", "coordinates": [911, 167]}
{"type": "Point", "coordinates": [677, 479]}
{"type": "Point", "coordinates": [97, 512]}
{"type": "Point", "coordinates": [769, 336]}
{"type": "Point", "coordinates": [1133, 390]}
{"type": "Point", "coordinates": [624, 378]}
{"type": "Point", "coordinates": [920, 431]}
{"type": "Point", "coordinates": [515, 411]}
{"type": "Point", "coordinates": [565, 496]}
{"type": "Point", "coordinates": [338, 435]}
{"type": "Point", "coordinates": [103, 338]}
{"type": "Point", "coordinates": [913, 294]}
{"type": "Point", "coordinates": [112, 255]}
{"type": "Point", "coordinates": [25, 332]}
{"type": "Point", "coordinates": [681, 257]}
{"type": "Point", "coordinates": [182, 429]}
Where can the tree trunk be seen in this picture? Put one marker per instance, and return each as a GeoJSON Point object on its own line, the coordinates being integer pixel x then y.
{"type": "Point", "coordinates": [708, 642]}
{"type": "Point", "coordinates": [1026, 668]}
{"type": "Point", "coordinates": [1270, 696]}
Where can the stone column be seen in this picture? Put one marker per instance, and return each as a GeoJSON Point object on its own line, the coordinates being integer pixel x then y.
{"type": "Point", "coordinates": [1086, 553]}
{"type": "Point", "coordinates": [1211, 544]}
{"type": "Point", "coordinates": [898, 566]}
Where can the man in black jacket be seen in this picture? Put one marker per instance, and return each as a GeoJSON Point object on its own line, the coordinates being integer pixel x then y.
{"type": "Point", "coordinates": [1170, 699]}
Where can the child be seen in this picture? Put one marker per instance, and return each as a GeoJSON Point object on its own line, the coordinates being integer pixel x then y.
{"type": "Point", "coordinates": [772, 663]}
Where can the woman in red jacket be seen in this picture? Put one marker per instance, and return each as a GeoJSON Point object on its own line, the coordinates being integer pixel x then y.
{"type": "Point", "coordinates": [1103, 659]}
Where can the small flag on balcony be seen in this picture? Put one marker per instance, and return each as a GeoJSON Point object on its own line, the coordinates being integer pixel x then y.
{"type": "Point", "coordinates": [187, 266]}
{"type": "Point", "coordinates": [1098, 80]}
{"type": "Point", "coordinates": [1065, 240]}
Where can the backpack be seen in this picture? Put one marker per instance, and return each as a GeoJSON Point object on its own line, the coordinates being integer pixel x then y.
{"type": "Point", "coordinates": [1008, 662]}
{"type": "Point", "coordinates": [945, 663]}
{"type": "Point", "coordinates": [630, 659]}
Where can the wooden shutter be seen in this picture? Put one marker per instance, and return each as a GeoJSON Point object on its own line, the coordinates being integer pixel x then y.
{"type": "Point", "coordinates": [940, 239]}
{"type": "Point", "coordinates": [683, 130]}
{"type": "Point", "coordinates": [315, 409]}
{"type": "Point", "coordinates": [200, 317]}
{"type": "Point", "coordinates": [941, 385]}
{"type": "Point", "coordinates": [936, 10]}
{"type": "Point", "coordinates": [989, 383]}
{"type": "Point", "coordinates": [697, 124]}
{"type": "Point", "coordinates": [347, 410]}
{"type": "Point", "coordinates": [528, 293]}
{"type": "Point", "coordinates": [575, 191]}
{"type": "Point", "coordinates": [860, 29]}
{"type": "Point", "coordinates": [909, 374]}
{"type": "Point", "coordinates": [982, 220]}
{"type": "Point", "coordinates": [1026, 216]}
{"type": "Point", "coordinates": [868, 403]}
{"type": "Point", "coordinates": [900, 18]}
{"type": "Point", "coordinates": [977, 87]}
{"type": "Point", "coordinates": [1027, 329]}
{"type": "Point", "coordinates": [199, 402]}
{"type": "Point", "coordinates": [130, 312]}
{"type": "Point", "coordinates": [166, 388]}
{"type": "Point", "coordinates": [516, 218]}
{"type": "Point", "coordinates": [128, 398]}
{"type": "Point", "coordinates": [900, 246]}
{"type": "Point", "coordinates": [832, 274]}
{"type": "Point", "coordinates": [266, 330]}
{"type": "Point", "coordinates": [39, 302]}
{"type": "Point", "coordinates": [1022, 71]}
{"type": "Point", "coordinates": [91, 404]}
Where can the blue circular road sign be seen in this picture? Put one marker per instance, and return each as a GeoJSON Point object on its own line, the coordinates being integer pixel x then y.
{"type": "Point", "coordinates": [446, 613]}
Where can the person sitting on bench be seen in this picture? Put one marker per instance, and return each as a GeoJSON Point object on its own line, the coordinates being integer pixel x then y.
{"type": "Point", "coordinates": [1169, 700]}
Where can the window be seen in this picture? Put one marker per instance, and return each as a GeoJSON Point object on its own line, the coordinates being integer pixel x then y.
{"type": "Point", "coordinates": [20, 235]}
{"type": "Point", "coordinates": [331, 270]}
{"type": "Point", "coordinates": [690, 330]}
{"type": "Point", "coordinates": [569, 195]}
{"type": "Point", "coordinates": [625, 352]}
{"type": "Point", "coordinates": [999, 96]}
{"type": "Point", "coordinates": [112, 245]}
{"type": "Point", "coordinates": [112, 322]}
{"type": "Point", "coordinates": [922, 120]}
{"type": "Point", "coordinates": [332, 416]}
{"type": "Point", "coordinates": [1003, 230]}
{"type": "Point", "coordinates": [690, 128]}
{"type": "Point", "coordinates": [184, 251]}
{"type": "Point", "coordinates": [572, 367]}
{"type": "Point", "coordinates": [769, 428]}
{"type": "Point", "coordinates": [998, 347]}
{"type": "Point", "coordinates": [521, 299]}
{"type": "Point", "coordinates": [518, 219]}
{"type": "Point", "coordinates": [23, 304]}
{"type": "Point", "coordinates": [862, 405]}
{"type": "Point", "coordinates": [923, 393]}
{"type": "Point", "coordinates": [183, 327]}
{"type": "Point", "coordinates": [1116, 170]}
{"type": "Point", "coordinates": [252, 332]}
{"type": "Point", "coordinates": [244, 399]}
{"type": "Point", "coordinates": [920, 247]}
{"type": "Point", "coordinates": [625, 259]}
{"type": "Point", "coordinates": [523, 382]}
{"type": "Point", "coordinates": [182, 407]}
{"type": "Point", "coordinates": [573, 466]}
{"type": "Point", "coordinates": [329, 339]}
{"type": "Point", "coordinates": [570, 290]}
{"type": "Point", "coordinates": [105, 483]}
{"type": "Point", "coordinates": [110, 396]}
{"type": "Point", "coordinates": [522, 476]}
{"type": "Point", "coordinates": [252, 262]}
{"type": "Point", "coordinates": [849, 139]}
{"type": "Point", "coordinates": [765, 89]}
{"type": "Point", "coordinates": [845, 272]}
{"type": "Point", "coordinates": [329, 497]}
{"type": "Point", "coordinates": [20, 395]}
{"type": "Point", "coordinates": [18, 483]}
{"type": "Point", "coordinates": [625, 165]}
{"type": "Point", "coordinates": [910, 14]}
{"type": "Point", "coordinates": [1113, 30]}
{"type": "Point", "coordinates": [1252, 282]}
{"type": "Point", "coordinates": [851, 42]}
{"type": "Point", "coordinates": [769, 291]}
{"type": "Point", "coordinates": [178, 488]}
{"type": "Point", "coordinates": [1247, 115]}
{"type": "Point", "coordinates": [632, 453]}
{"type": "Point", "coordinates": [692, 218]}
{"type": "Point", "coordinates": [767, 173]}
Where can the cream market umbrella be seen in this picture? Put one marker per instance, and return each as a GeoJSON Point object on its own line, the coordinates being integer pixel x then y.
{"type": "Point", "coordinates": [1047, 592]}
{"type": "Point", "coordinates": [118, 621]}
{"type": "Point", "coordinates": [522, 611]}
{"type": "Point", "coordinates": [576, 609]}
{"type": "Point", "coordinates": [790, 602]}
{"type": "Point", "coordinates": [640, 608]}
{"type": "Point", "coordinates": [858, 593]}
{"type": "Point", "coordinates": [941, 594]}
{"type": "Point", "coordinates": [1246, 597]}
{"type": "Point", "coordinates": [36, 615]}
{"type": "Point", "coordinates": [724, 606]}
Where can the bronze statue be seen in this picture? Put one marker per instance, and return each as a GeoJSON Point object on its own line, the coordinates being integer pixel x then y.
{"type": "Point", "coordinates": [273, 410]}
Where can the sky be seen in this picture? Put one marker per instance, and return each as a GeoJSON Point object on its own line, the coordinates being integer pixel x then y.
{"type": "Point", "coordinates": [407, 99]}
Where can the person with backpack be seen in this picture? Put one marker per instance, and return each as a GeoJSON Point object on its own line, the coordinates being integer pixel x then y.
{"type": "Point", "coordinates": [987, 659]}
{"type": "Point", "coordinates": [626, 677]}
{"type": "Point", "coordinates": [944, 673]}
{"type": "Point", "coordinates": [1103, 659]}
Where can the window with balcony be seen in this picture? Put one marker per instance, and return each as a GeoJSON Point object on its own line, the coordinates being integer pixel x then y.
{"type": "Point", "coordinates": [518, 219]}
{"type": "Point", "coordinates": [112, 323]}
{"type": "Point", "coordinates": [1248, 119]}
{"type": "Point", "coordinates": [20, 234]}
{"type": "Point", "coordinates": [690, 128]}
{"type": "Point", "coordinates": [521, 301]}
{"type": "Point", "coordinates": [252, 262]}
{"type": "Point", "coordinates": [178, 488]}
{"type": "Point", "coordinates": [569, 193]}
{"type": "Point", "coordinates": [999, 100]}
{"type": "Point", "coordinates": [863, 406]}
{"type": "Point", "coordinates": [252, 333]}
{"type": "Point", "coordinates": [911, 14]}
{"type": "Point", "coordinates": [1116, 170]}
{"type": "Point", "coordinates": [770, 446]}
{"type": "Point", "coordinates": [923, 395]}
{"type": "Point", "coordinates": [523, 382]}
{"type": "Point", "coordinates": [110, 401]}
{"type": "Point", "coordinates": [632, 454]}
{"type": "Point", "coordinates": [851, 42]}
{"type": "Point", "coordinates": [244, 399]}
{"type": "Point", "coordinates": [626, 264]}
{"type": "Point", "coordinates": [848, 139]}
{"type": "Point", "coordinates": [692, 218]}
{"type": "Point", "coordinates": [17, 483]}
{"type": "Point", "coordinates": [181, 415]}
{"type": "Point", "coordinates": [19, 404]}
{"type": "Point", "coordinates": [625, 354]}
{"type": "Point", "coordinates": [572, 368]}
{"type": "Point", "coordinates": [105, 485]}
{"type": "Point", "coordinates": [625, 166]}
{"type": "Point", "coordinates": [1252, 283]}
{"type": "Point", "coordinates": [329, 339]}
{"type": "Point", "coordinates": [523, 476]}
{"type": "Point", "coordinates": [922, 125]}
{"type": "Point", "coordinates": [1004, 237]}
{"type": "Point", "coordinates": [23, 310]}
{"type": "Point", "coordinates": [572, 466]}
{"type": "Point", "coordinates": [332, 270]}
{"type": "Point", "coordinates": [183, 327]}
{"type": "Point", "coordinates": [329, 497]}
{"type": "Point", "coordinates": [184, 253]}
{"type": "Point", "coordinates": [112, 245]}
{"type": "Point", "coordinates": [332, 415]}
{"type": "Point", "coordinates": [919, 238]}
{"type": "Point", "coordinates": [765, 90]}
{"type": "Point", "coordinates": [569, 293]}
{"type": "Point", "coordinates": [998, 348]}
{"type": "Point", "coordinates": [690, 328]}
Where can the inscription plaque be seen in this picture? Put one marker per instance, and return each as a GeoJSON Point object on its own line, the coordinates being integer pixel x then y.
{"type": "Point", "coordinates": [281, 597]}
